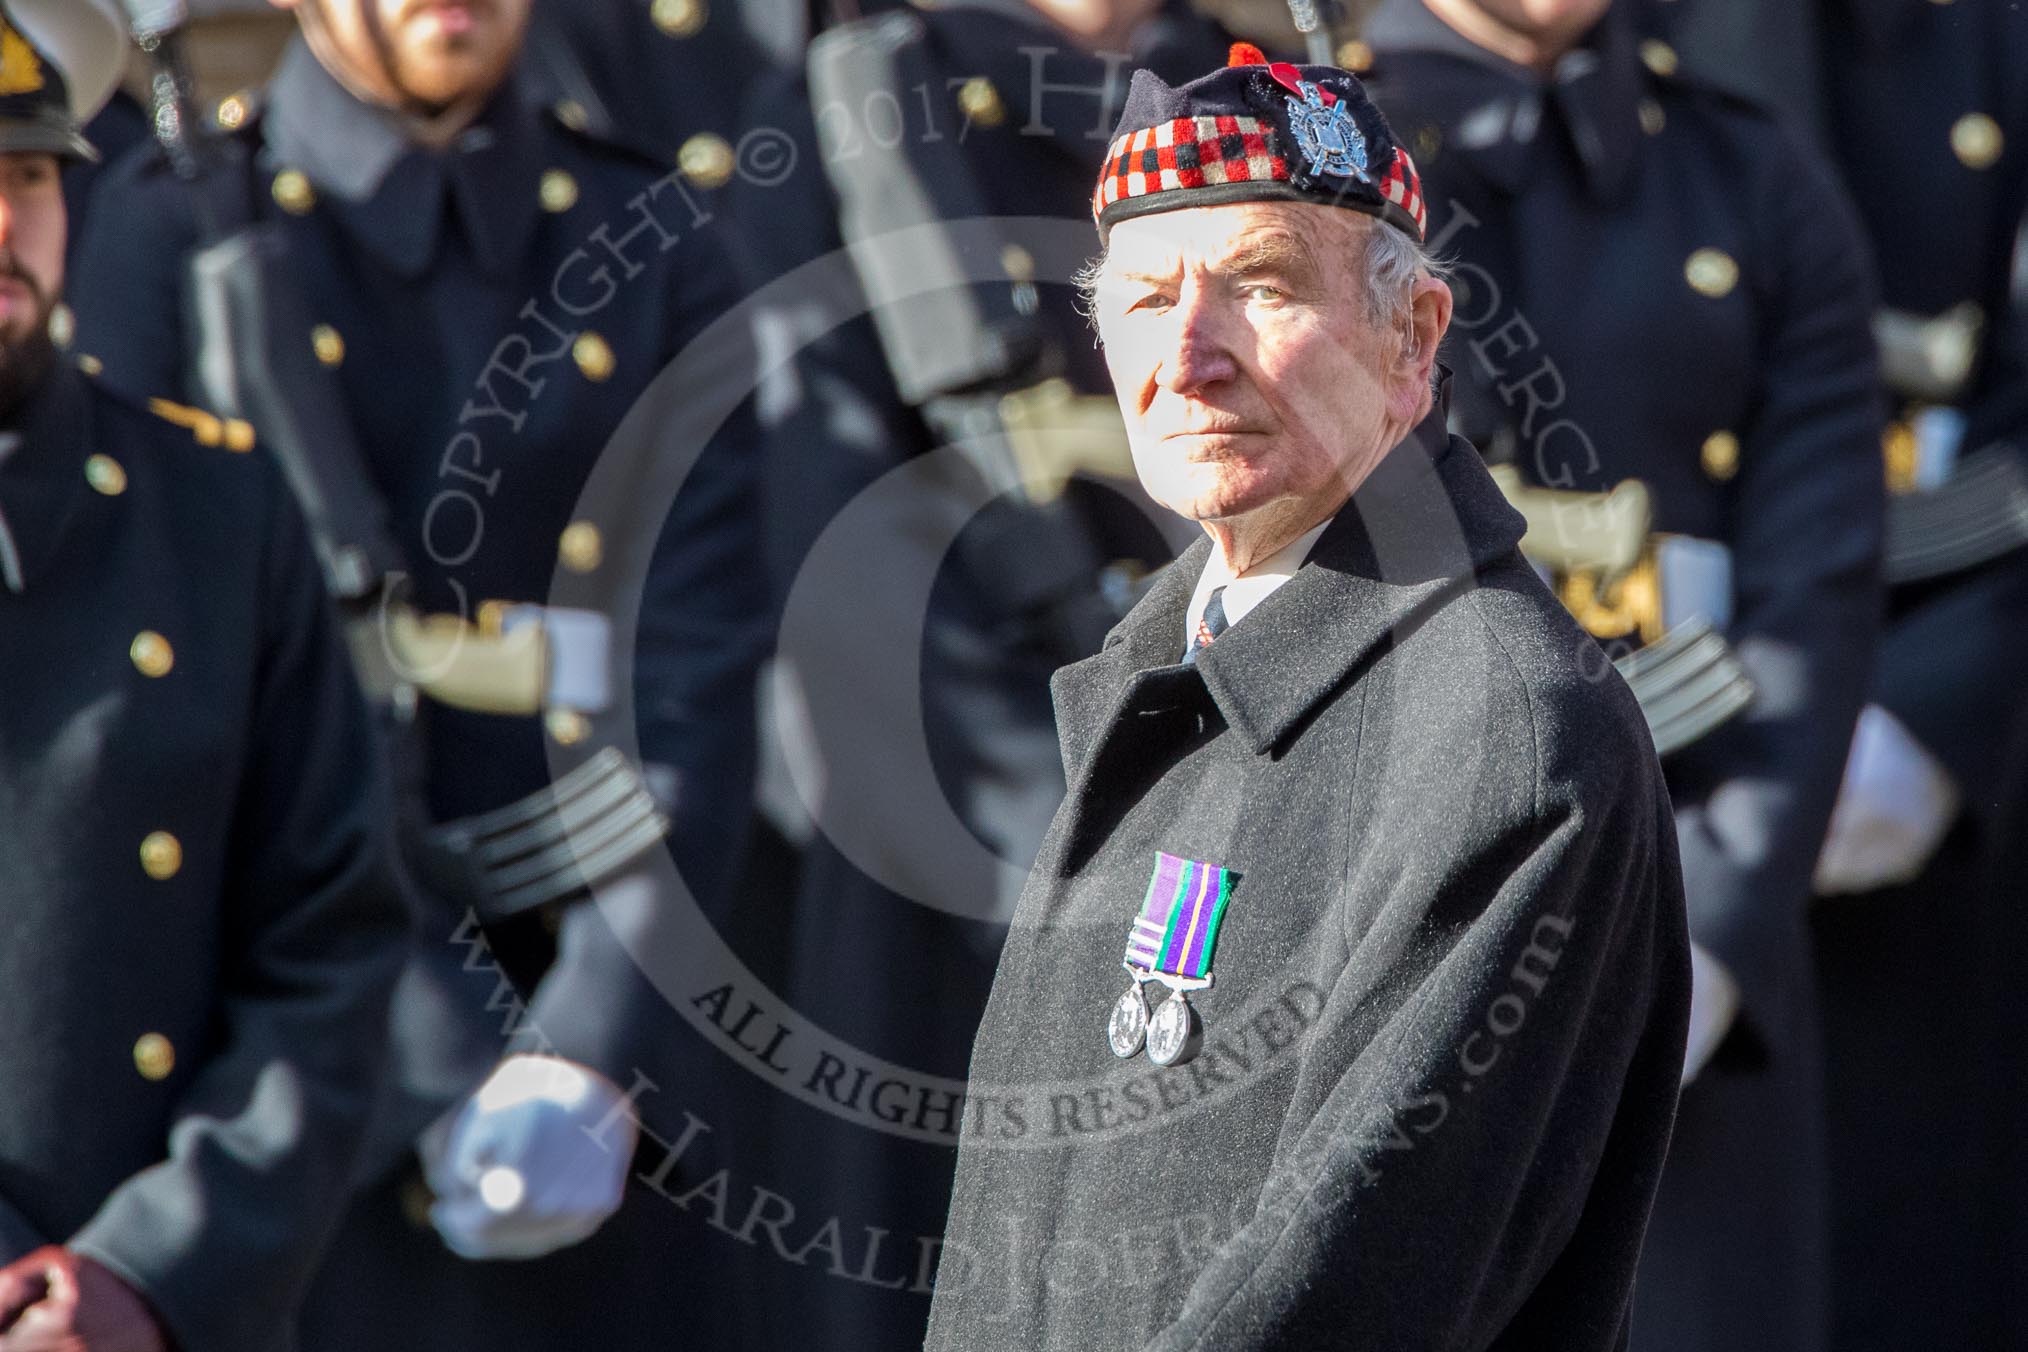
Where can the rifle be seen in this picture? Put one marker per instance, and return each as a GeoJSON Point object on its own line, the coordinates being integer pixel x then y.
{"type": "Point", "coordinates": [246, 320]}
{"type": "Point", "coordinates": [966, 357]}
{"type": "Point", "coordinates": [248, 325]}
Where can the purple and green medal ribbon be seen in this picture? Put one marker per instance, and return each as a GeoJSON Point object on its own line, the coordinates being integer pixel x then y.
{"type": "Point", "coordinates": [1177, 929]}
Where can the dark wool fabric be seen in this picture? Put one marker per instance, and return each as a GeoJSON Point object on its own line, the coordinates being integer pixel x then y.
{"type": "Point", "coordinates": [1606, 170]}
{"type": "Point", "coordinates": [209, 1182]}
{"type": "Point", "coordinates": [1441, 1052]}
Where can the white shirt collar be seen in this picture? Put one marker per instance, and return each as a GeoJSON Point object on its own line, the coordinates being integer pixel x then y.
{"type": "Point", "coordinates": [1250, 588]}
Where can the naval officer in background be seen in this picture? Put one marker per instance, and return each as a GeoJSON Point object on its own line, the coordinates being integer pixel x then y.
{"type": "Point", "coordinates": [202, 924]}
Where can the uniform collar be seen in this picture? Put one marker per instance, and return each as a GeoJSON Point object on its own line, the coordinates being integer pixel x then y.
{"type": "Point", "coordinates": [1499, 116]}
{"type": "Point", "coordinates": [400, 200]}
{"type": "Point", "coordinates": [1425, 521]}
{"type": "Point", "coordinates": [42, 479]}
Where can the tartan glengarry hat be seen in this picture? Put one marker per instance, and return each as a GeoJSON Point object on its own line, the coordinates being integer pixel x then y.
{"type": "Point", "coordinates": [1256, 131]}
{"type": "Point", "coordinates": [60, 60]}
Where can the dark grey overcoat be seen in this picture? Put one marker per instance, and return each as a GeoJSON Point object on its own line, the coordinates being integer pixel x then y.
{"type": "Point", "coordinates": [1451, 987]}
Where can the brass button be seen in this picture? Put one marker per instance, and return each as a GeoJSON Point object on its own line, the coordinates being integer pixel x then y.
{"type": "Point", "coordinates": [981, 102]}
{"type": "Point", "coordinates": [62, 325]}
{"type": "Point", "coordinates": [1018, 263]}
{"type": "Point", "coordinates": [706, 160]}
{"type": "Point", "coordinates": [1355, 56]}
{"type": "Point", "coordinates": [567, 726]}
{"type": "Point", "coordinates": [1428, 141]}
{"type": "Point", "coordinates": [1977, 141]}
{"type": "Point", "coordinates": [1711, 272]}
{"type": "Point", "coordinates": [1720, 455]}
{"type": "Point", "coordinates": [559, 192]}
{"type": "Point", "coordinates": [572, 114]}
{"type": "Point", "coordinates": [1898, 450]}
{"type": "Point", "coordinates": [161, 856]}
{"type": "Point", "coordinates": [678, 18]}
{"type": "Point", "coordinates": [105, 474]}
{"type": "Point", "coordinates": [1653, 119]}
{"type": "Point", "coordinates": [293, 192]}
{"type": "Point", "coordinates": [232, 112]}
{"type": "Point", "coordinates": [416, 1201]}
{"type": "Point", "coordinates": [593, 355]}
{"type": "Point", "coordinates": [90, 365]}
{"type": "Point", "coordinates": [582, 547]}
{"type": "Point", "coordinates": [151, 653]}
{"type": "Point", "coordinates": [239, 436]}
{"type": "Point", "coordinates": [1659, 57]}
{"type": "Point", "coordinates": [328, 344]}
{"type": "Point", "coordinates": [154, 1056]}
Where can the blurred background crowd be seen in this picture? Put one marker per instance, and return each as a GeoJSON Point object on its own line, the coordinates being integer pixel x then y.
{"type": "Point", "coordinates": [691, 409]}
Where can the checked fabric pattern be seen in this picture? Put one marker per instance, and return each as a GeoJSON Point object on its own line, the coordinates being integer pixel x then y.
{"type": "Point", "coordinates": [1198, 152]}
{"type": "Point", "coordinates": [1188, 152]}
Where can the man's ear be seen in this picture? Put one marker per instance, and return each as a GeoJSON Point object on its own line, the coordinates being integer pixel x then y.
{"type": "Point", "coordinates": [1421, 325]}
{"type": "Point", "coordinates": [1429, 317]}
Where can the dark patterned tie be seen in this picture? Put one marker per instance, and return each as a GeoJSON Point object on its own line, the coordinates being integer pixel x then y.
{"type": "Point", "coordinates": [1210, 627]}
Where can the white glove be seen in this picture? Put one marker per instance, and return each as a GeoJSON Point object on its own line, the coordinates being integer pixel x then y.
{"type": "Point", "coordinates": [1895, 807]}
{"type": "Point", "coordinates": [1714, 1004]}
{"type": "Point", "coordinates": [531, 1163]}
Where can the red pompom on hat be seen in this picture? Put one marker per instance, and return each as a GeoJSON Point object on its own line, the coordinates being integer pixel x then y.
{"type": "Point", "coordinates": [1245, 54]}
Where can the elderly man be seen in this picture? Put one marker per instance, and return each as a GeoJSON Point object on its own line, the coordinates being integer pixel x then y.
{"type": "Point", "coordinates": [1382, 837]}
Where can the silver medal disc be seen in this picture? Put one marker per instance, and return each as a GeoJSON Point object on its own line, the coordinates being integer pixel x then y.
{"type": "Point", "coordinates": [1174, 1034]}
{"type": "Point", "coordinates": [1127, 1029]}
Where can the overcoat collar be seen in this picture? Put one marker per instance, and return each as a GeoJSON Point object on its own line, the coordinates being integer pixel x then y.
{"type": "Point", "coordinates": [400, 200]}
{"type": "Point", "coordinates": [1425, 521]}
{"type": "Point", "coordinates": [42, 475]}
{"type": "Point", "coordinates": [1498, 116]}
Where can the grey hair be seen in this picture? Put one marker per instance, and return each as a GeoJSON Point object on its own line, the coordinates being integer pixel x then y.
{"type": "Point", "coordinates": [1394, 259]}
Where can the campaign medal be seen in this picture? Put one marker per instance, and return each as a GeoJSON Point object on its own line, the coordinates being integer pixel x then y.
{"type": "Point", "coordinates": [1127, 1029]}
{"type": "Point", "coordinates": [1326, 134]}
{"type": "Point", "coordinates": [1171, 942]}
{"type": "Point", "coordinates": [1176, 1033]}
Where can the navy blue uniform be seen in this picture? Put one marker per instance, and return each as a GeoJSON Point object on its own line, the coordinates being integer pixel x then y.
{"type": "Point", "coordinates": [1658, 282]}
{"type": "Point", "coordinates": [118, 128]}
{"type": "Point", "coordinates": [1921, 982]}
{"type": "Point", "coordinates": [203, 922]}
{"type": "Point", "coordinates": [664, 75]}
{"type": "Point", "coordinates": [491, 313]}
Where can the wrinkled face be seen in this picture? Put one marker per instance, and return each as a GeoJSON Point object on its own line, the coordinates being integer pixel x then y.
{"type": "Point", "coordinates": [1554, 23]}
{"type": "Point", "coordinates": [1247, 367]}
{"type": "Point", "coordinates": [33, 229]}
{"type": "Point", "coordinates": [419, 55]}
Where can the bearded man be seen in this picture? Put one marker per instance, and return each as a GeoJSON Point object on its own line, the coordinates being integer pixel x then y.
{"type": "Point", "coordinates": [203, 921]}
{"type": "Point", "coordinates": [490, 287]}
